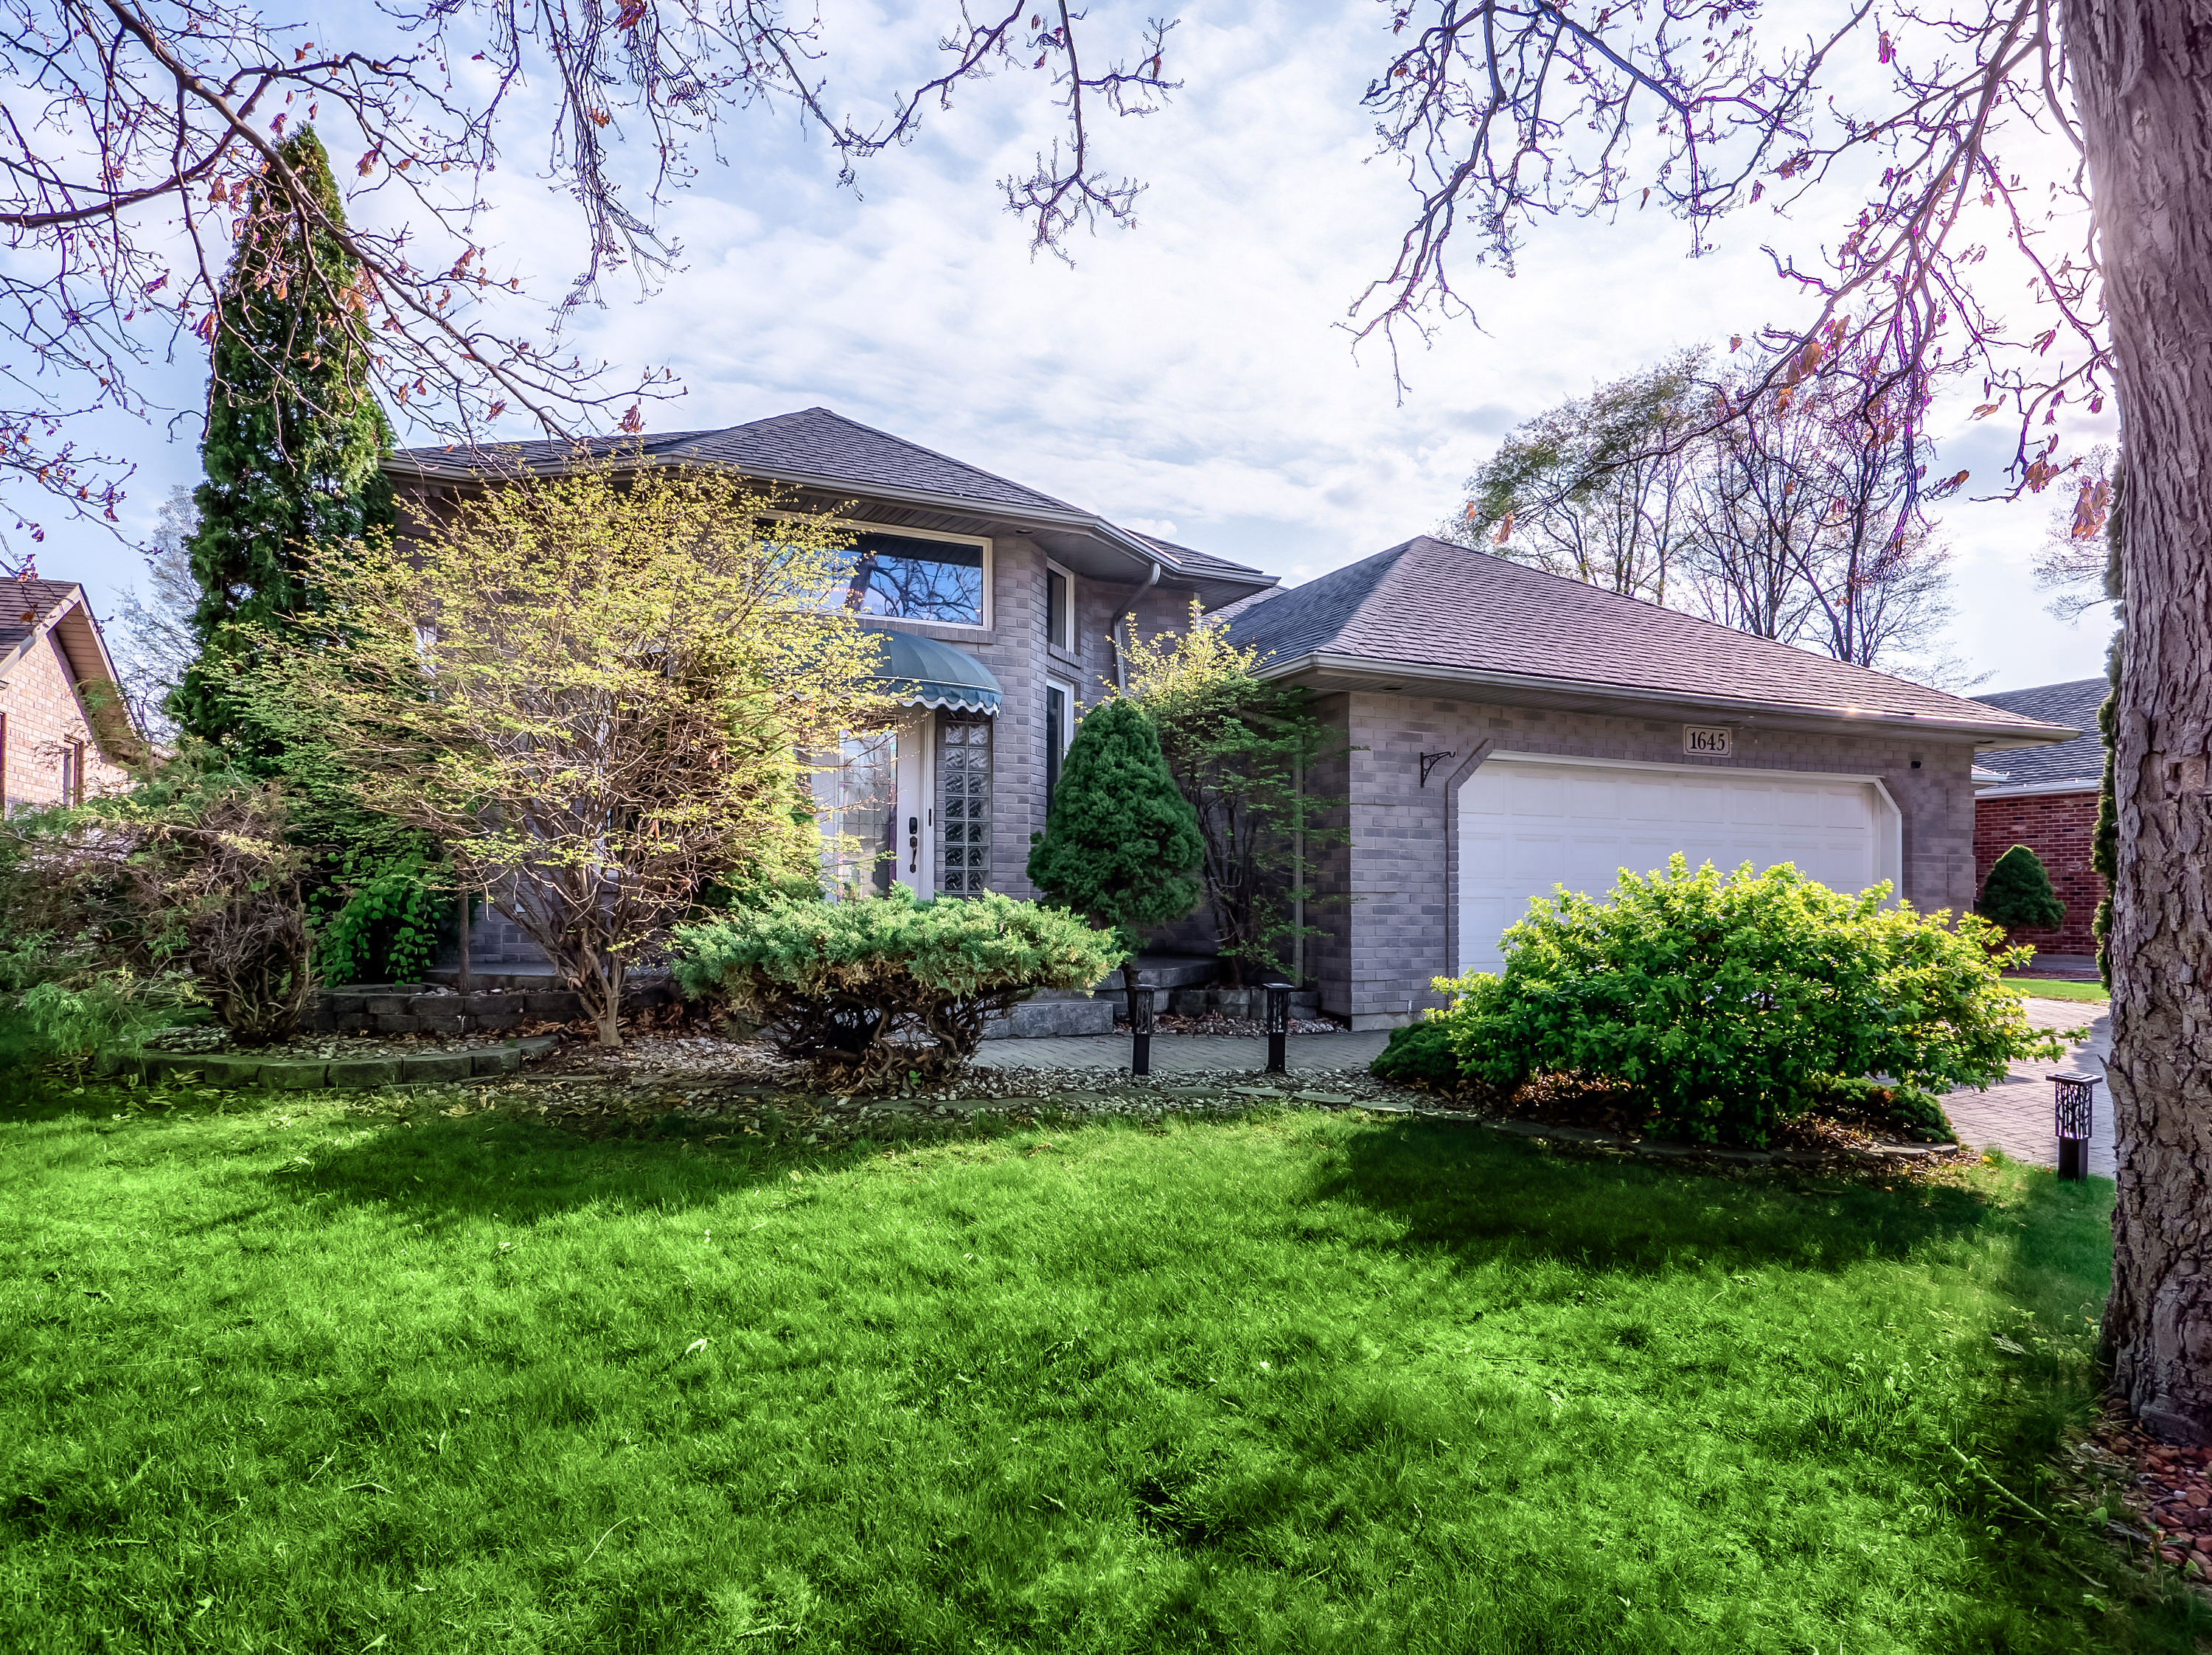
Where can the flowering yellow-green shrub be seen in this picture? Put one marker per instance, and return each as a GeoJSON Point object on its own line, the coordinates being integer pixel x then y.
{"type": "Point", "coordinates": [1735, 1000]}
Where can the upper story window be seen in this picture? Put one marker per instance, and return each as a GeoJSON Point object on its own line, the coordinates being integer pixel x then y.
{"type": "Point", "coordinates": [1059, 610]}
{"type": "Point", "coordinates": [909, 579]}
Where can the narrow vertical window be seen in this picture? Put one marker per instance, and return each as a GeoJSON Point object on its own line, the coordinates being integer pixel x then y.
{"type": "Point", "coordinates": [963, 806]}
{"type": "Point", "coordinates": [1059, 612]}
{"type": "Point", "coordinates": [1055, 737]}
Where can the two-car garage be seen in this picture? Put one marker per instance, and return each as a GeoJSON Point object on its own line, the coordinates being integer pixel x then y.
{"type": "Point", "coordinates": [1528, 822]}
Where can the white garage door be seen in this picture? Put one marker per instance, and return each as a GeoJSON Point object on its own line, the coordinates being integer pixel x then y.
{"type": "Point", "coordinates": [1528, 824]}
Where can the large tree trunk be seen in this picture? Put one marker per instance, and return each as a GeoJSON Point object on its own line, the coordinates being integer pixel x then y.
{"type": "Point", "coordinates": [2142, 77]}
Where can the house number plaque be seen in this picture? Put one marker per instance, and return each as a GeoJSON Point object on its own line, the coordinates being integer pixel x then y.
{"type": "Point", "coordinates": [1705, 740]}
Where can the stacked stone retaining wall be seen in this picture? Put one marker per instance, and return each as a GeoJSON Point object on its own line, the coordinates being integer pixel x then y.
{"type": "Point", "coordinates": [420, 1009]}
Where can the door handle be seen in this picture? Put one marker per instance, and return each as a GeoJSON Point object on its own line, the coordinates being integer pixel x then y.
{"type": "Point", "coordinates": [913, 843]}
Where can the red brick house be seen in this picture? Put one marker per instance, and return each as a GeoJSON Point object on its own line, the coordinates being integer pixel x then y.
{"type": "Point", "coordinates": [64, 733]}
{"type": "Point", "coordinates": [2045, 798]}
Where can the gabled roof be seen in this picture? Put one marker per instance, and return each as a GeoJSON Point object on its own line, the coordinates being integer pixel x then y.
{"type": "Point", "coordinates": [822, 449]}
{"type": "Point", "coordinates": [2079, 761]}
{"type": "Point", "coordinates": [1430, 609]}
{"type": "Point", "coordinates": [31, 610]}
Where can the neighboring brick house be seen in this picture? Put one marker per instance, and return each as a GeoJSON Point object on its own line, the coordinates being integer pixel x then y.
{"type": "Point", "coordinates": [63, 732]}
{"type": "Point", "coordinates": [1005, 608]}
{"type": "Point", "coordinates": [1509, 731]}
{"type": "Point", "coordinates": [2045, 798]}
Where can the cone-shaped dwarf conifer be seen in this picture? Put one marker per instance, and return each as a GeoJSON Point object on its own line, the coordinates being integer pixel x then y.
{"type": "Point", "coordinates": [294, 432]}
{"type": "Point", "coordinates": [2018, 895]}
{"type": "Point", "coordinates": [1120, 844]}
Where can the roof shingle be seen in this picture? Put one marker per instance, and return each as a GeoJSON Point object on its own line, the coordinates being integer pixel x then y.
{"type": "Point", "coordinates": [2075, 702]}
{"type": "Point", "coordinates": [27, 605]}
{"type": "Point", "coordinates": [1430, 603]}
{"type": "Point", "coordinates": [817, 444]}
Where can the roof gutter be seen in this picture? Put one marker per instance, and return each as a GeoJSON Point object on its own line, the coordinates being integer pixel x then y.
{"type": "Point", "coordinates": [2022, 790]}
{"type": "Point", "coordinates": [2009, 735]}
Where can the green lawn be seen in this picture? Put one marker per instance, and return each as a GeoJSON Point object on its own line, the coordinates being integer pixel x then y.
{"type": "Point", "coordinates": [289, 1378]}
{"type": "Point", "coordinates": [2057, 988]}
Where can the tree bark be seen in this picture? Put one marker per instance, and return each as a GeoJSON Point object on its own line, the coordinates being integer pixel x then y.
{"type": "Point", "coordinates": [2142, 80]}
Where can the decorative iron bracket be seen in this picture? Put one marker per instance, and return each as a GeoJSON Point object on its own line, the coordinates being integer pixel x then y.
{"type": "Point", "coordinates": [1430, 761]}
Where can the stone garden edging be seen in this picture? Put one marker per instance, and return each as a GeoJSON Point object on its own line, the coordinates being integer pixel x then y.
{"type": "Point", "coordinates": [242, 1069]}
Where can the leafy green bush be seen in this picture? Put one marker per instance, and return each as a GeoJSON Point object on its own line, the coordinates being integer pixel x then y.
{"type": "Point", "coordinates": [869, 989]}
{"type": "Point", "coordinates": [1420, 1054]}
{"type": "Point", "coordinates": [68, 996]}
{"type": "Point", "coordinates": [384, 918]}
{"type": "Point", "coordinates": [187, 887]}
{"type": "Point", "coordinates": [2018, 895]}
{"type": "Point", "coordinates": [1901, 1111]}
{"type": "Point", "coordinates": [1734, 1001]}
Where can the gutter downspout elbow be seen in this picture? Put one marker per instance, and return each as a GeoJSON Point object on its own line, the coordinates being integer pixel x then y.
{"type": "Point", "coordinates": [1114, 628]}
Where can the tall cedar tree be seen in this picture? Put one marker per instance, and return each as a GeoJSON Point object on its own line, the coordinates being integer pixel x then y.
{"type": "Point", "coordinates": [2018, 895]}
{"type": "Point", "coordinates": [1120, 844]}
{"type": "Point", "coordinates": [294, 436]}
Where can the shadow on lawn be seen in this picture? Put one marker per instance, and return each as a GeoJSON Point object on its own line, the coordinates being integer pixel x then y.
{"type": "Point", "coordinates": [1512, 1198]}
{"type": "Point", "coordinates": [521, 1171]}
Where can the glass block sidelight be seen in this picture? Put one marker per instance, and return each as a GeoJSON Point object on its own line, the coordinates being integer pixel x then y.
{"type": "Point", "coordinates": [963, 804]}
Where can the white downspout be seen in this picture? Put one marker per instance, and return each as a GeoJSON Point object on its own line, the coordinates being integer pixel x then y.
{"type": "Point", "coordinates": [1114, 629]}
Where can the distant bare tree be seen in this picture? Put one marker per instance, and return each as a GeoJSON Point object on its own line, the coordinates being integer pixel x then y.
{"type": "Point", "coordinates": [1798, 517]}
{"type": "Point", "coordinates": [1595, 489]}
{"type": "Point", "coordinates": [152, 640]}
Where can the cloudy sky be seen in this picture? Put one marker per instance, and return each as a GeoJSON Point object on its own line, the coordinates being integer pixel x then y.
{"type": "Point", "coordinates": [1189, 376]}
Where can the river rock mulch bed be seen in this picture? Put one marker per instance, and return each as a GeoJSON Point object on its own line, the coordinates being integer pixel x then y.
{"type": "Point", "coordinates": [1213, 1022]}
{"type": "Point", "coordinates": [676, 1075]}
{"type": "Point", "coordinates": [2163, 1492]}
{"type": "Point", "coordinates": [684, 1082]}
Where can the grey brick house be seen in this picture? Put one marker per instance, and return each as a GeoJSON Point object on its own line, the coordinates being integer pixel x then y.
{"type": "Point", "coordinates": [1509, 729]}
{"type": "Point", "coordinates": [1004, 609]}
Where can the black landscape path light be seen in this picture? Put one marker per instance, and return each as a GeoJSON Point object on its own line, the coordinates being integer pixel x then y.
{"type": "Point", "coordinates": [1141, 1031]}
{"type": "Point", "coordinates": [2077, 1109]}
{"type": "Point", "coordinates": [1279, 1027]}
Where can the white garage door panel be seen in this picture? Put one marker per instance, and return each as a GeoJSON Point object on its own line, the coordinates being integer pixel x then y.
{"type": "Point", "coordinates": [1527, 825]}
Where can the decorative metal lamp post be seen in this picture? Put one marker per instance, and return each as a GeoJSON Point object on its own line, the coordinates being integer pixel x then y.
{"type": "Point", "coordinates": [2077, 1106]}
{"type": "Point", "coordinates": [1141, 1031]}
{"type": "Point", "coordinates": [1279, 1027]}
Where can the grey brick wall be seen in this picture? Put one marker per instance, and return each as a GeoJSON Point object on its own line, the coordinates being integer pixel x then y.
{"type": "Point", "coordinates": [1391, 926]}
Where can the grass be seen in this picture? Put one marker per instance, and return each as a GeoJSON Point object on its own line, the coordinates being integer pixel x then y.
{"type": "Point", "coordinates": [291, 1377]}
{"type": "Point", "coordinates": [2058, 988]}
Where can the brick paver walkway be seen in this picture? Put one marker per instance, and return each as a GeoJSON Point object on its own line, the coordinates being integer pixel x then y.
{"type": "Point", "coordinates": [2015, 1114]}
{"type": "Point", "coordinates": [1184, 1054]}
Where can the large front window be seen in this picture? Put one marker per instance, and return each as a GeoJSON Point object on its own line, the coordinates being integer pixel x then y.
{"type": "Point", "coordinates": [964, 805]}
{"type": "Point", "coordinates": [907, 578]}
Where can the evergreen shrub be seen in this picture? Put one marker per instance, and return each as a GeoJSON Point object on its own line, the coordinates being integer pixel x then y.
{"type": "Point", "coordinates": [2018, 893]}
{"type": "Point", "coordinates": [1120, 844]}
{"type": "Point", "coordinates": [874, 990]}
{"type": "Point", "coordinates": [1733, 1002]}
